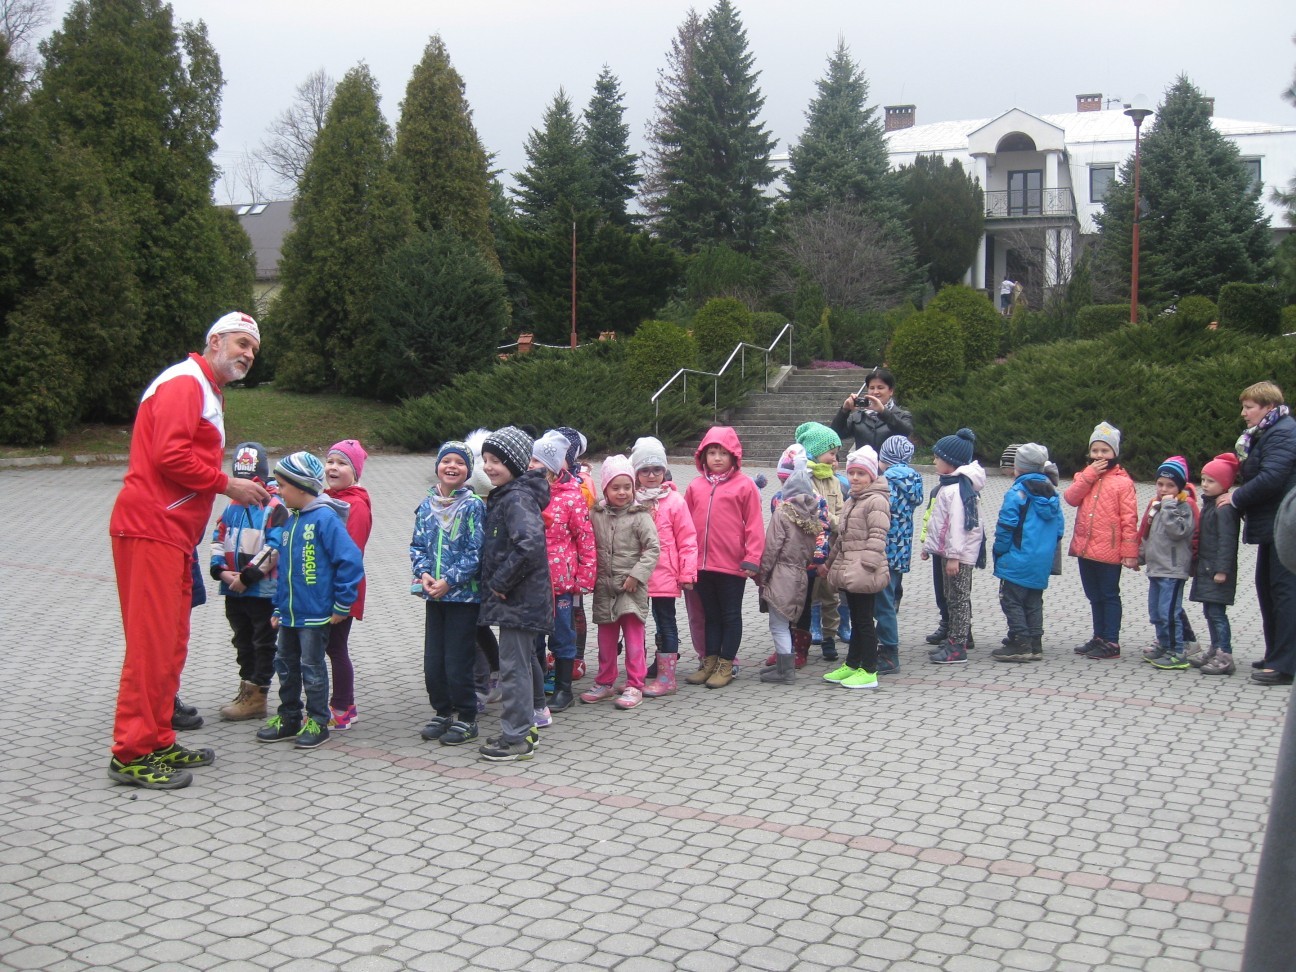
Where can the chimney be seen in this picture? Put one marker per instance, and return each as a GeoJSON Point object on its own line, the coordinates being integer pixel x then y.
{"type": "Point", "coordinates": [1210, 106]}
{"type": "Point", "coordinates": [899, 116]}
{"type": "Point", "coordinates": [1089, 102]}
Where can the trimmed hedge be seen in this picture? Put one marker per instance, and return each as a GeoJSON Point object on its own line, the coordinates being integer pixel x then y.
{"type": "Point", "coordinates": [982, 325]}
{"type": "Point", "coordinates": [1254, 308]}
{"type": "Point", "coordinates": [657, 350]}
{"type": "Point", "coordinates": [926, 353]}
{"type": "Point", "coordinates": [718, 327]}
{"type": "Point", "coordinates": [1098, 319]}
{"type": "Point", "coordinates": [1168, 396]}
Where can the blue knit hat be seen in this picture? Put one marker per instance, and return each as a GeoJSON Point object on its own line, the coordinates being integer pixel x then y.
{"type": "Point", "coordinates": [896, 450]}
{"type": "Point", "coordinates": [1176, 468]}
{"type": "Point", "coordinates": [453, 447]}
{"type": "Point", "coordinates": [956, 449]}
{"type": "Point", "coordinates": [302, 470]}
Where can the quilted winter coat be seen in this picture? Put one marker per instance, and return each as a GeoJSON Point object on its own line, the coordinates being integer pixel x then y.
{"type": "Point", "coordinates": [627, 547]}
{"type": "Point", "coordinates": [1106, 522]}
{"type": "Point", "coordinates": [858, 561]}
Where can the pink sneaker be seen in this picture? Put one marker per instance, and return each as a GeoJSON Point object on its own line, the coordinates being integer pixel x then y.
{"type": "Point", "coordinates": [598, 693]}
{"type": "Point", "coordinates": [629, 698]}
{"type": "Point", "coordinates": [342, 718]}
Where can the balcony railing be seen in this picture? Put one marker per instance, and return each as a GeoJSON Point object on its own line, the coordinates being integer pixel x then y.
{"type": "Point", "coordinates": [1018, 203]}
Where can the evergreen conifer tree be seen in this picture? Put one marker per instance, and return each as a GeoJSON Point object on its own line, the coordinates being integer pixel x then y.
{"type": "Point", "coordinates": [557, 180]}
{"type": "Point", "coordinates": [1202, 224]}
{"type": "Point", "coordinates": [718, 150]}
{"type": "Point", "coordinates": [663, 140]}
{"type": "Point", "coordinates": [442, 159]}
{"type": "Point", "coordinates": [351, 212]}
{"type": "Point", "coordinates": [607, 143]}
{"type": "Point", "coordinates": [945, 208]}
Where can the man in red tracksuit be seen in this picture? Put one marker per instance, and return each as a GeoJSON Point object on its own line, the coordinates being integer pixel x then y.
{"type": "Point", "coordinates": [161, 513]}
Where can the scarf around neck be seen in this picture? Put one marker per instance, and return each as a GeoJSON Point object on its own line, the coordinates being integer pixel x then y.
{"type": "Point", "coordinates": [971, 508]}
{"type": "Point", "coordinates": [650, 495]}
{"type": "Point", "coordinates": [1247, 439]}
{"type": "Point", "coordinates": [820, 470]}
{"type": "Point", "coordinates": [446, 508]}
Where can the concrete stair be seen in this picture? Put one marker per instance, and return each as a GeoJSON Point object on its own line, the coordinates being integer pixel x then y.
{"type": "Point", "coordinates": [766, 423]}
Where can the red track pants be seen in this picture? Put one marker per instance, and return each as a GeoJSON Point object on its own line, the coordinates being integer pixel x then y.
{"type": "Point", "coordinates": [154, 584]}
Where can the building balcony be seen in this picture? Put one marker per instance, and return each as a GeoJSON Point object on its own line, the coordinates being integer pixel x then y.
{"type": "Point", "coordinates": [1026, 203]}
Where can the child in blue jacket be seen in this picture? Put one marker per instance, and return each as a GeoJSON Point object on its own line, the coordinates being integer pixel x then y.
{"type": "Point", "coordinates": [906, 487]}
{"type": "Point", "coordinates": [1026, 539]}
{"type": "Point", "coordinates": [320, 569]}
{"type": "Point", "coordinates": [244, 558]}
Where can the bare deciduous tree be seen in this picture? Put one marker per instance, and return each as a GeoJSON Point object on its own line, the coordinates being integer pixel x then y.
{"type": "Point", "coordinates": [244, 181]}
{"type": "Point", "coordinates": [854, 259]}
{"type": "Point", "coordinates": [20, 23]}
{"type": "Point", "coordinates": [291, 137]}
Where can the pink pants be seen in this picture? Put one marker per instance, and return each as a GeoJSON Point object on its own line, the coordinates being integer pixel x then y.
{"type": "Point", "coordinates": [631, 628]}
{"type": "Point", "coordinates": [696, 621]}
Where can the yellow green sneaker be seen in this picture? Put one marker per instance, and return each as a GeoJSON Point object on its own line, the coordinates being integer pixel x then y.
{"type": "Point", "coordinates": [840, 674]}
{"type": "Point", "coordinates": [860, 679]}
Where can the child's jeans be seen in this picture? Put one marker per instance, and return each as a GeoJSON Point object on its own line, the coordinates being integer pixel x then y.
{"type": "Point", "coordinates": [1101, 583]}
{"type": "Point", "coordinates": [631, 628]}
{"type": "Point", "coordinates": [449, 653]}
{"type": "Point", "coordinates": [1023, 607]}
{"type": "Point", "coordinates": [1217, 623]}
{"type": "Point", "coordinates": [1165, 600]}
{"type": "Point", "coordinates": [299, 663]}
{"type": "Point", "coordinates": [563, 640]}
{"type": "Point", "coordinates": [886, 607]}
{"type": "Point", "coordinates": [663, 615]}
{"type": "Point", "coordinates": [722, 596]}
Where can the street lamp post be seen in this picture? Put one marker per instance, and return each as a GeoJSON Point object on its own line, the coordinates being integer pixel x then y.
{"type": "Point", "coordinates": [1138, 110]}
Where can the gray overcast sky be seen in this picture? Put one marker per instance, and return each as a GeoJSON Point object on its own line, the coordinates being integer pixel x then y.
{"type": "Point", "coordinates": [951, 59]}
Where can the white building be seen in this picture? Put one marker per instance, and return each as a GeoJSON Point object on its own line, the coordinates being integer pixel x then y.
{"type": "Point", "coordinates": [1045, 176]}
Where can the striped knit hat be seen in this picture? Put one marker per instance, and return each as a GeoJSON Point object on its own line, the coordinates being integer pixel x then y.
{"type": "Point", "coordinates": [512, 447]}
{"type": "Point", "coordinates": [302, 470]}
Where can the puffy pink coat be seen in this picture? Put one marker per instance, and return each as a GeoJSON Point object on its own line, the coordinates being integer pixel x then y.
{"type": "Point", "coordinates": [727, 514]}
{"type": "Point", "coordinates": [1106, 523]}
{"type": "Point", "coordinates": [679, 551]}
{"type": "Point", "coordinates": [569, 538]}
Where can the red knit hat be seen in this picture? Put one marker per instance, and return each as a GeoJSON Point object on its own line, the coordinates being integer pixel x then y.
{"type": "Point", "coordinates": [1223, 469]}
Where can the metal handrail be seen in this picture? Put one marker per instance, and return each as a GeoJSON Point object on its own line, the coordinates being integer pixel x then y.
{"type": "Point", "coordinates": [740, 351]}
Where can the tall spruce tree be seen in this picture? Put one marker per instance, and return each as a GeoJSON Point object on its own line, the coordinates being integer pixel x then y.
{"type": "Point", "coordinates": [663, 140]}
{"type": "Point", "coordinates": [945, 210]}
{"type": "Point", "coordinates": [351, 212]}
{"type": "Point", "coordinates": [718, 160]}
{"type": "Point", "coordinates": [841, 156]}
{"type": "Point", "coordinates": [128, 105]}
{"type": "Point", "coordinates": [558, 180]}
{"type": "Point", "coordinates": [613, 168]}
{"type": "Point", "coordinates": [1202, 224]}
{"type": "Point", "coordinates": [442, 159]}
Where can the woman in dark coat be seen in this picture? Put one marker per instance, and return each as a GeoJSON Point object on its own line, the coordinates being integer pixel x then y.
{"type": "Point", "coordinates": [873, 417]}
{"type": "Point", "coordinates": [1267, 450]}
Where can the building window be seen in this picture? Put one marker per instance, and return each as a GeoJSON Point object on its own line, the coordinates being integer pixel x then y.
{"type": "Point", "coordinates": [1100, 180]}
{"type": "Point", "coordinates": [1026, 192]}
{"type": "Point", "coordinates": [1253, 170]}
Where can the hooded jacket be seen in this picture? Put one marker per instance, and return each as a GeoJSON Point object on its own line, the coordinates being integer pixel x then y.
{"type": "Point", "coordinates": [791, 541]}
{"type": "Point", "coordinates": [947, 534]}
{"type": "Point", "coordinates": [906, 487]}
{"type": "Point", "coordinates": [240, 534]}
{"type": "Point", "coordinates": [514, 559]}
{"type": "Point", "coordinates": [320, 567]}
{"type": "Point", "coordinates": [678, 539]}
{"type": "Point", "coordinates": [569, 538]}
{"type": "Point", "coordinates": [1106, 522]}
{"type": "Point", "coordinates": [1217, 553]}
{"type": "Point", "coordinates": [858, 561]}
{"type": "Point", "coordinates": [1027, 533]}
{"type": "Point", "coordinates": [453, 553]}
{"type": "Point", "coordinates": [627, 547]}
{"type": "Point", "coordinates": [1166, 537]}
{"type": "Point", "coordinates": [359, 522]}
{"type": "Point", "coordinates": [727, 513]}
{"type": "Point", "coordinates": [176, 454]}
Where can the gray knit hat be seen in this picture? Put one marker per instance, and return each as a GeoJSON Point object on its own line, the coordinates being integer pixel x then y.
{"type": "Point", "coordinates": [1030, 457]}
{"type": "Point", "coordinates": [551, 449]}
{"type": "Point", "coordinates": [647, 453]}
{"type": "Point", "coordinates": [1106, 432]}
{"type": "Point", "coordinates": [511, 446]}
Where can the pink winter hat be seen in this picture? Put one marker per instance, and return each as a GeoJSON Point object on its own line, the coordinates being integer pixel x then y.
{"type": "Point", "coordinates": [353, 452]}
{"type": "Point", "coordinates": [1223, 469]}
{"type": "Point", "coordinates": [614, 466]}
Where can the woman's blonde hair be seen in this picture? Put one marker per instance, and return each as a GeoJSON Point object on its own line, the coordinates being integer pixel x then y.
{"type": "Point", "coordinates": [1262, 393]}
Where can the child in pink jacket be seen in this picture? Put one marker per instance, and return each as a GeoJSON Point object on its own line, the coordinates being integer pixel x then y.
{"type": "Point", "coordinates": [955, 534]}
{"type": "Point", "coordinates": [676, 567]}
{"type": "Point", "coordinates": [726, 508]}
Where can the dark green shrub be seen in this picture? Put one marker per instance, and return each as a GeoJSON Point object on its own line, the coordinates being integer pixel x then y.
{"type": "Point", "coordinates": [1254, 308]}
{"type": "Point", "coordinates": [1194, 312]}
{"type": "Point", "coordinates": [657, 350]}
{"type": "Point", "coordinates": [765, 327]}
{"type": "Point", "coordinates": [1098, 319]}
{"type": "Point", "coordinates": [550, 388]}
{"type": "Point", "coordinates": [1289, 319]}
{"type": "Point", "coordinates": [1039, 327]}
{"type": "Point", "coordinates": [41, 385]}
{"type": "Point", "coordinates": [1167, 397]}
{"type": "Point", "coordinates": [982, 325]}
{"type": "Point", "coordinates": [926, 354]}
{"type": "Point", "coordinates": [717, 271]}
{"type": "Point", "coordinates": [718, 327]}
{"type": "Point", "coordinates": [861, 337]}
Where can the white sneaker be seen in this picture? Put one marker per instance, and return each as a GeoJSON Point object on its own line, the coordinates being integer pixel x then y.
{"type": "Point", "coordinates": [542, 718]}
{"type": "Point", "coordinates": [629, 698]}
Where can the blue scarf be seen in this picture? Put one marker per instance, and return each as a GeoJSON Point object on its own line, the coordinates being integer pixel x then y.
{"type": "Point", "coordinates": [971, 508]}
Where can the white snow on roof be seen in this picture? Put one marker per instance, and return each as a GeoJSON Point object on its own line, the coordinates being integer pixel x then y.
{"type": "Point", "coordinates": [1080, 126]}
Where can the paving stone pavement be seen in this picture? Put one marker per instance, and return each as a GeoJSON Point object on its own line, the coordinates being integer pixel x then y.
{"type": "Point", "coordinates": [1069, 815]}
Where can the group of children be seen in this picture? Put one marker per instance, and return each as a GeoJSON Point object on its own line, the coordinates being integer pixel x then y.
{"type": "Point", "coordinates": [515, 533]}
